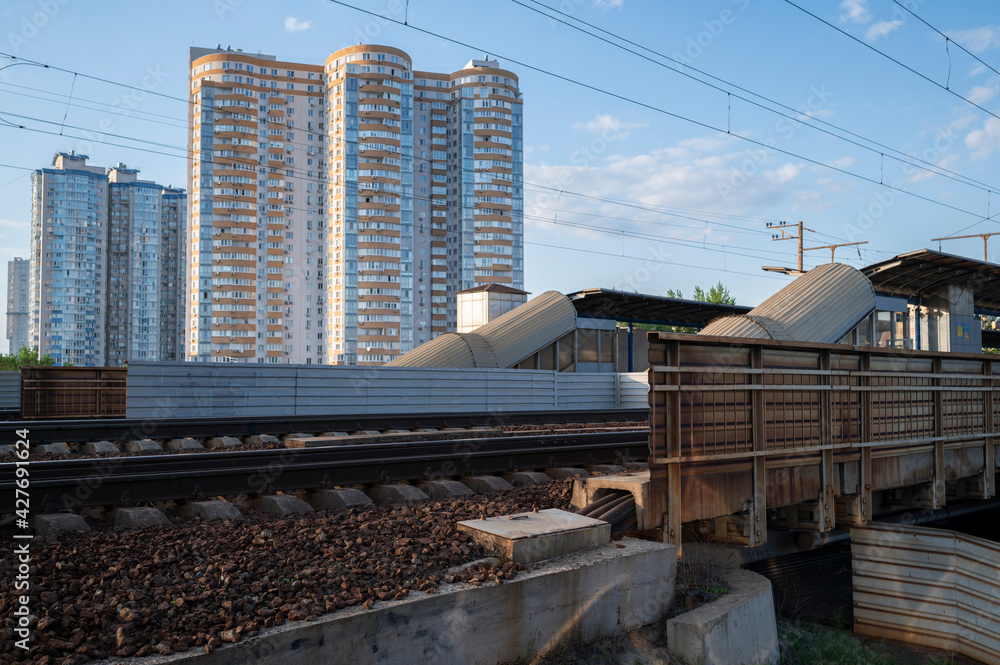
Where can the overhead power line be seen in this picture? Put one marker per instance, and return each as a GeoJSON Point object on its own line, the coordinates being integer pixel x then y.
{"type": "Point", "coordinates": [898, 62]}
{"type": "Point", "coordinates": [976, 57]}
{"type": "Point", "coordinates": [663, 111]}
{"type": "Point", "coordinates": [881, 147]}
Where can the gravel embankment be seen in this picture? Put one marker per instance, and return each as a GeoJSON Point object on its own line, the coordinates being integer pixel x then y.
{"type": "Point", "coordinates": [194, 586]}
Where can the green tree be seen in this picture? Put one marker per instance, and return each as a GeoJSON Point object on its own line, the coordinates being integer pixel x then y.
{"type": "Point", "coordinates": [13, 362]}
{"type": "Point", "coordinates": [715, 294]}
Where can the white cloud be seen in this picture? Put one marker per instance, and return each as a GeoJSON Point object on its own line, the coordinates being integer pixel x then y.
{"type": "Point", "coordinates": [984, 141]}
{"type": "Point", "coordinates": [609, 126]}
{"type": "Point", "coordinates": [784, 173]}
{"type": "Point", "coordinates": [605, 5]}
{"type": "Point", "coordinates": [292, 24]}
{"type": "Point", "coordinates": [978, 39]}
{"type": "Point", "coordinates": [882, 29]}
{"type": "Point", "coordinates": [855, 11]}
{"type": "Point", "coordinates": [727, 182]}
{"type": "Point", "coordinates": [981, 93]}
{"type": "Point", "coordinates": [977, 70]}
{"type": "Point", "coordinates": [843, 162]}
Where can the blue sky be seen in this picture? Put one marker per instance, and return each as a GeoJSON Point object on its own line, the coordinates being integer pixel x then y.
{"type": "Point", "coordinates": [692, 202]}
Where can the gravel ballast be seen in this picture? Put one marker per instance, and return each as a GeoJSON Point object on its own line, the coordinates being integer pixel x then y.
{"type": "Point", "coordinates": [194, 585]}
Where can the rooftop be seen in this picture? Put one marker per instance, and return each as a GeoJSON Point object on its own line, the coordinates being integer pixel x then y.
{"type": "Point", "coordinates": [926, 272]}
{"type": "Point", "coordinates": [643, 308]}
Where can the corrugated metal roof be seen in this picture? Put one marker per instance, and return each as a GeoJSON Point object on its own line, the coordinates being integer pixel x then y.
{"type": "Point", "coordinates": [503, 341]}
{"type": "Point", "coordinates": [821, 306]}
{"type": "Point", "coordinates": [448, 350]}
{"type": "Point", "coordinates": [926, 273]}
{"type": "Point", "coordinates": [740, 325]}
{"type": "Point", "coordinates": [526, 329]}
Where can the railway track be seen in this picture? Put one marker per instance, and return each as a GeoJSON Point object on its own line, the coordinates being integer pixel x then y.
{"type": "Point", "coordinates": [81, 431]}
{"type": "Point", "coordinates": [78, 483]}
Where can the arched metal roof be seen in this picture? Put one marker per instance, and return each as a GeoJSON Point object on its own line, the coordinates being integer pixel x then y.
{"type": "Point", "coordinates": [822, 305]}
{"type": "Point", "coordinates": [503, 341]}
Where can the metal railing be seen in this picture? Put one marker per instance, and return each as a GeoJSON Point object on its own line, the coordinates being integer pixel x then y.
{"type": "Point", "coordinates": [739, 426]}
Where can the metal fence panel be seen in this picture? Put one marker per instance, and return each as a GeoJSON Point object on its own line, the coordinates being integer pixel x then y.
{"type": "Point", "coordinates": [196, 390]}
{"type": "Point", "coordinates": [931, 587]}
{"type": "Point", "coordinates": [10, 391]}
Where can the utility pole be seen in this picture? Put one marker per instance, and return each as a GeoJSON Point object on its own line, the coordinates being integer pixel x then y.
{"type": "Point", "coordinates": [785, 235]}
{"type": "Point", "coordinates": [984, 236]}
{"type": "Point", "coordinates": [833, 248]}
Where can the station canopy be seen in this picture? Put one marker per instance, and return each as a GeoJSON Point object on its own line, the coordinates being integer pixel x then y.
{"type": "Point", "coordinates": [926, 272]}
{"type": "Point", "coordinates": [642, 308]}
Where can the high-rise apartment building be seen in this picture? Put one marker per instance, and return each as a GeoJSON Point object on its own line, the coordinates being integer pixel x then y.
{"type": "Point", "coordinates": [335, 210]}
{"type": "Point", "coordinates": [106, 267]}
{"type": "Point", "coordinates": [17, 303]}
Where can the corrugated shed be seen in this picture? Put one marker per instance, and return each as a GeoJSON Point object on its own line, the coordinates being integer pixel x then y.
{"type": "Point", "coordinates": [503, 341]}
{"type": "Point", "coordinates": [821, 306]}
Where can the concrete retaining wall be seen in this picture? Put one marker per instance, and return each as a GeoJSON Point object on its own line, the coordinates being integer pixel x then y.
{"type": "Point", "coordinates": [581, 597]}
{"type": "Point", "coordinates": [191, 390]}
{"type": "Point", "coordinates": [737, 629]}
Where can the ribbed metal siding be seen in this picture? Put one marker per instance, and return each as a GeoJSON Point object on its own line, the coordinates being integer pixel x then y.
{"type": "Point", "coordinates": [528, 328]}
{"type": "Point", "coordinates": [505, 340]}
{"type": "Point", "coordinates": [10, 391]}
{"type": "Point", "coordinates": [448, 350]}
{"type": "Point", "coordinates": [931, 587]}
{"type": "Point", "coordinates": [735, 326]}
{"type": "Point", "coordinates": [821, 306]}
{"type": "Point", "coordinates": [189, 390]}
{"type": "Point", "coordinates": [482, 352]}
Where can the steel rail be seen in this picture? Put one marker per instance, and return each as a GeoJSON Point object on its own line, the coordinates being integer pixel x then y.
{"type": "Point", "coordinates": [123, 429]}
{"type": "Point", "coordinates": [76, 483]}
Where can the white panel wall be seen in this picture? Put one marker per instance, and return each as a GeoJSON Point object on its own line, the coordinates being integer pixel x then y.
{"type": "Point", "coordinates": [10, 391]}
{"type": "Point", "coordinates": [192, 390]}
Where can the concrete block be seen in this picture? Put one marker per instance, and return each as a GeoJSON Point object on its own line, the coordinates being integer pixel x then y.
{"type": "Point", "coordinates": [397, 431]}
{"type": "Point", "coordinates": [445, 489]}
{"type": "Point", "coordinates": [397, 494]}
{"type": "Point", "coordinates": [137, 518]}
{"type": "Point", "coordinates": [341, 499]}
{"type": "Point", "coordinates": [366, 432]}
{"type": "Point", "coordinates": [488, 484]}
{"type": "Point", "coordinates": [566, 472]}
{"type": "Point", "coordinates": [99, 448]}
{"type": "Point", "coordinates": [636, 466]}
{"type": "Point", "coordinates": [606, 469]}
{"type": "Point", "coordinates": [622, 588]}
{"type": "Point", "coordinates": [588, 490]}
{"type": "Point", "coordinates": [262, 438]}
{"type": "Point", "coordinates": [142, 446]}
{"type": "Point", "coordinates": [183, 444]}
{"type": "Point", "coordinates": [222, 442]}
{"type": "Point", "coordinates": [53, 524]}
{"type": "Point", "coordinates": [282, 504]}
{"type": "Point", "coordinates": [52, 448]}
{"type": "Point", "coordinates": [531, 537]}
{"type": "Point", "coordinates": [213, 511]}
{"type": "Point", "coordinates": [737, 628]}
{"type": "Point", "coordinates": [525, 478]}
{"type": "Point", "coordinates": [6, 449]}
{"type": "Point", "coordinates": [335, 434]}
{"type": "Point", "coordinates": [427, 429]}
